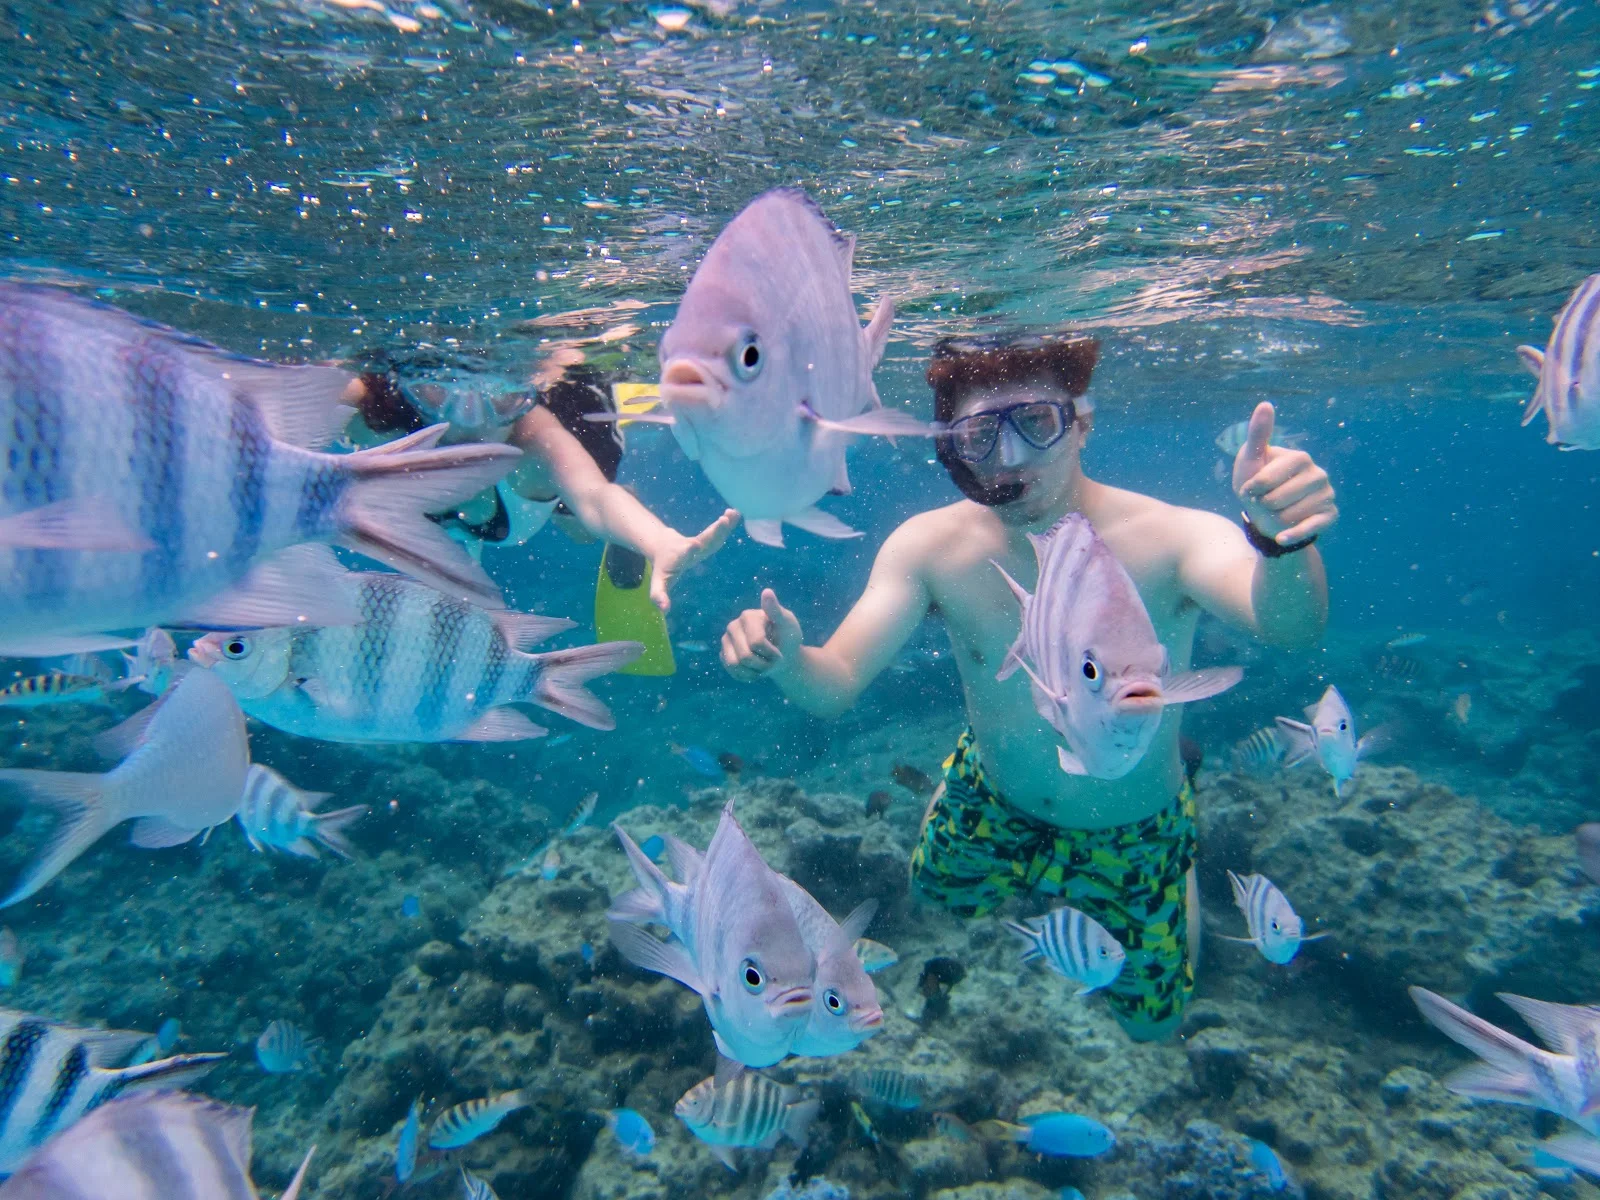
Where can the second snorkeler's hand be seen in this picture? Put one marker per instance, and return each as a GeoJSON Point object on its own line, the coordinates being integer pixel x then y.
{"type": "Point", "coordinates": [760, 640]}
{"type": "Point", "coordinates": [1286, 495]}
{"type": "Point", "coordinates": [687, 552]}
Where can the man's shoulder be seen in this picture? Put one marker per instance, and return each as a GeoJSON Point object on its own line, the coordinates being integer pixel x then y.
{"type": "Point", "coordinates": [1151, 523]}
{"type": "Point", "coordinates": [932, 534]}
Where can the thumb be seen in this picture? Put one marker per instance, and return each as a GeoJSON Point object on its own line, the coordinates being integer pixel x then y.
{"type": "Point", "coordinates": [1259, 435]}
{"type": "Point", "coordinates": [784, 624]}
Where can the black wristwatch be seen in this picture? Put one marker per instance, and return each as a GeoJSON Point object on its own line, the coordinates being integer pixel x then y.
{"type": "Point", "coordinates": [1268, 547]}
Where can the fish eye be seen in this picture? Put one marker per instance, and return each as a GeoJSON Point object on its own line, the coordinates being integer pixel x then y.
{"type": "Point", "coordinates": [1276, 928]}
{"type": "Point", "coordinates": [1091, 671]}
{"type": "Point", "coordinates": [747, 357]}
{"type": "Point", "coordinates": [1343, 726]}
{"type": "Point", "coordinates": [752, 978]}
{"type": "Point", "coordinates": [236, 647]}
{"type": "Point", "coordinates": [833, 1000]}
{"type": "Point", "coordinates": [1104, 953]}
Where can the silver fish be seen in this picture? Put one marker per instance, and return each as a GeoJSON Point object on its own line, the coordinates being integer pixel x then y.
{"type": "Point", "coordinates": [52, 1075]}
{"type": "Point", "coordinates": [844, 1007]}
{"type": "Point", "coordinates": [1568, 371]}
{"type": "Point", "coordinates": [276, 815]}
{"type": "Point", "coordinates": [1073, 945]}
{"type": "Point", "coordinates": [156, 479]}
{"type": "Point", "coordinates": [471, 1119]}
{"type": "Point", "coordinates": [1564, 1079]}
{"type": "Point", "coordinates": [747, 1110]}
{"type": "Point", "coordinates": [283, 1047]}
{"type": "Point", "coordinates": [1261, 753]}
{"type": "Point", "coordinates": [419, 666]}
{"type": "Point", "coordinates": [895, 1089]}
{"type": "Point", "coordinates": [1100, 676]}
{"type": "Point", "coordinates": [736, 943]}
{"type": "Point", "coordinates": [1275, 928]}
{"type": "Point", "coordinates": [1330, 738]}
{"type": "Point", "coordinates": [158, 1146]}
{"type": "Point", "coordinates": [186, 757]}
{"type": "Point", "coordinates": [766, 372]}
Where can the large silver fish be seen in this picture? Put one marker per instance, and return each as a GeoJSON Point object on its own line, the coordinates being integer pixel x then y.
{"type": "Point", "coordinates": [52, 1075]}
{"type": "Point", "coordinates": [148, 478]}
{"type": "Point", "coordinates": [183, 773]}
{"type": "Point", "coordinates": [766, 372]}
{"type": "Point", "coordinates": [844, 1008]}
{"type": "Point", "coordinates": [161, 1146]}
{"type": "Point", "coordinates": [1568, 371]}
{"type": "Point", "coordinates": [418, 666]}
{"type": "Point", "coordinates": [1100, 676]}
{"type": "Point", "coordinates": [736, 942]}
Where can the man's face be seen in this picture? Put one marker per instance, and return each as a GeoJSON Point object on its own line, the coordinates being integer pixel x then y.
{"type": "Point", "coordinates": [1018, 461]}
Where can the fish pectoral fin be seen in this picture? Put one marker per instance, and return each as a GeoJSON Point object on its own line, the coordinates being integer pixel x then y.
{"type": "Point", "coordinates": [302, 585]}
{"type": "Point", "coordinates": [764, 530]}
{"type": "Point", "coordinates": [880, 422]}
{"type": "Point", "coordinates": [501, 725]}
{"type": "Point", "coordinates": [157, 833]}
{"type": "Point", "coordinates": [1243, 941]}
{"type": "Point", "coordinates": [824, 525]}
{"type": "Point", "coordinates": [1316, 937]}
{"type": "Point", "coordinates": [724, 1156]}
{"type": "Point", "coordinates": [1197, 685]}
{"type": "Point", "coordinates": [1009, 666]}
{"type": "Point", "coordinates": [1070, 762]}
{"type": "Point", "coordinates": [728, 1069]}
{"type": "Point", "coordinates": [1532, 359]}
{"type": "Point", "coordinates": [124, 737]}
{"type": "Point", "coordinates": [1300, 741]}
{"type": "Point", "coordinates": [83, 523]}
{"type": "Point", "coordinates": [1375, 741]}
{"type": "Point", "coordinates": [664, 958]}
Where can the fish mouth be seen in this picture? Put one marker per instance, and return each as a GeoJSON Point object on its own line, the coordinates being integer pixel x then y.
{"type": "Point", "coordinates": [687, 382]}
{"type": "Point", "coordinates": [789, 1002]}
{"type": "Point", "coordinates": [205, 651]}
{"type": "Point", "coordinates": [1139, 697]}
{"type": "Point", "coordinates": [872, 1018]}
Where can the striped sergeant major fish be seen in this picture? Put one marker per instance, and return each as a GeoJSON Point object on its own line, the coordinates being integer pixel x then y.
{"type": "Point", "coordinates": [474, 1188]}
{"type": "Point", "coordinates": [51, 1075]}
{"type": "Point", "coordinates": [155, 1146]}
{"type": "Point", "coordinates": [1073, 945]}
{"type": "Point", "coordinates": [1568, 371]}
{"type": "Point", "coordinates": [56, 687]}
{"type": "Point", "coordinates": [155, 479]}
{"type": "Point", "coordinates": [418, 666]}
{"type": "Point", "coordinates": [1259, 754]}
{"type": "Point", "coordinates": [469, 1121]}
{"type": "Point", "coordinates": [1274, 927]}
{"type": "Point", "coordinates": [276, 815]}
{"type": "Point", "coordinates": [889, 1087]}
{"type": "Point", "coordinates": [745, 1109]}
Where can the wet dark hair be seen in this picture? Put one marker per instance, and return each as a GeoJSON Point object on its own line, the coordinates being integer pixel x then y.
{"type": "Point", "coordinates": [583, 390]}
{"type": "Point", "coordinates": [962, 366]}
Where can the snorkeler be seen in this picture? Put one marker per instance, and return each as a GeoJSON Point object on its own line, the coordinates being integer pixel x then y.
{"type": "Point", "coordinates": [567, 477]}
{"type": "Point", "coordinates": [1008, 819]}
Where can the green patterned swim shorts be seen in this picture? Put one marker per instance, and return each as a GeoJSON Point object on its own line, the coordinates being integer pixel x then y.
{"type": "Point", "coordinates": [975, 850]}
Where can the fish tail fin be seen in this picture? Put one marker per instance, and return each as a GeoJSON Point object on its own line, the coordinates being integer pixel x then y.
{"type": "Point", "coordinates": [1508, 1054]}
{"type": "Point", "coordinates": [797, 1121]}
{"type": "Point", "coordinates": [328, 828]}
{"type": "Point", "coordinates": [86, 810]}
{"type": "Point", "coordinates": [394, 485]}
{"type": "Point", "coordinates": [1298, 739]}
{"type": "Point", "coordinates": [1031, 936]}
{"type": "Point", "coordinates": [558, 678]}
{"type": "Point", "coordinates": [1480, 1081]}
{"type": "Point", "coordinates": [176, 1072]}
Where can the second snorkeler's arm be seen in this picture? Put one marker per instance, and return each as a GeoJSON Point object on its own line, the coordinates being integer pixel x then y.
{"type": "Point", "coordinates": [560, 465]}
{"type": "Point", "coordinates": [825, 680]}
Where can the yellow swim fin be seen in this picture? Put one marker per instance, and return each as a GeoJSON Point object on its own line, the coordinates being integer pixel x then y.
{"type": "Point", "coordinates": [632, 398]}
{"type": "Point", "coordinates": [623, 611]}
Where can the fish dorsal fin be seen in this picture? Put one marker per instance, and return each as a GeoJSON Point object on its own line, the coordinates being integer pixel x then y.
{"type": "Point", "coordinates": [524, 630]}
{"type": "Point", "coordinates": [1310, 711]}
{"type": "Point", "coordinates": [1559, 1026]}
{"type": "Point", "coordinates": [685, 859]}
{"type": "Point", "coordinates": [844, 243]}
{"type": "Point", "coordinates": [1021, 593]}
{"type": "Point", "coordinates": [1532, 359]}
{"type": "Point", "coordinates": [106, 1047]}
{"type": "Point", "coordinates": [728, 1070]}
{"type": "Point", "coordinates": [293, 1192]}
{"type": "Point", "coordinates": [856, 923]}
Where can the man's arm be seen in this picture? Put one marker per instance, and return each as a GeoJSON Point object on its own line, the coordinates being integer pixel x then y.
{"type": "Point", "coordinates": [825, 680]}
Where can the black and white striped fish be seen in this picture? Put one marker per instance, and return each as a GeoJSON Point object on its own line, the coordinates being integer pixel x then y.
{"type": "Point", "coordinates": [276, 815]}
{"type": "Point", "coordinates": [1273, 925]}
{"type": "Point", "coordinates": [155, 1146]}
{"type": "Point", "coordinates": [1568, 370]}
{"type": "Point", "coordinates": [470, 1120]}
{"type": "Point", "coordinates": [474, 1188]}
{"type": "Point", "coordinates": [1261, 753]}
{"type": "Point", "coordinates": [888, 1086]}
{"type": "Point", "coordinates": [1074, 945]}
{"type": "Point", "coordinates": [745, 1110]}
{"type": "Point", "coordinates": [153, 479]}
{"type": "Point", "coordinates": [418, 666]}
{"type": "Point", "coordinates": [56, 687]}
{"type": "Point", "coordinates": [283, 1047]}
{"type": "Point", "coordinates": [51, 1075]}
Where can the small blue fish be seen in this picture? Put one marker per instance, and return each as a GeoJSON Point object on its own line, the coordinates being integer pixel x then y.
{"type": "Point", "coordinates": [653, 847]}
{"type": "Point", "coordinates": [580, 814]}
{"type": "Point", "coordinates": [701, 762]}
{"type": "Point", "coordinates": [167, 1036]}
{"type": "Point", "coordinates": [470, 1120]}
{"type": "Point", "coordinates": [587, 950]}
{"type": "Point", "coordinates": [158, 1045]}
{"type": "Point", "coordinates": [1071, 1193]}
{"type": "Point", "coordinates": [1065, 1135]}
{"type": "Point", "coordinates": [411, 908]}
{"type": "Point", "coordinates": [282, 1048]}
{"type": "Point", "coordinates": [405, 1150]}
{"type": "Point", "coordinates": [632, 1131]}
{"type": "Point", "coordinates": [1263, 1159]}
{"type": "Point", "coordinates": [874, 956]}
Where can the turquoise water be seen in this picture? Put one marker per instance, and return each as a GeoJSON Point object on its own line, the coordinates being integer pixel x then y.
{"type": "Point", "coordinates": [1356, 212]}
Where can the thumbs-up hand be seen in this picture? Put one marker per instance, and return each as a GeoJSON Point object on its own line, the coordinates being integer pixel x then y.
{"type": "Point", "coordinates": [760, 639]}
{"type": "Point", "coordinates": [1286, 495]}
